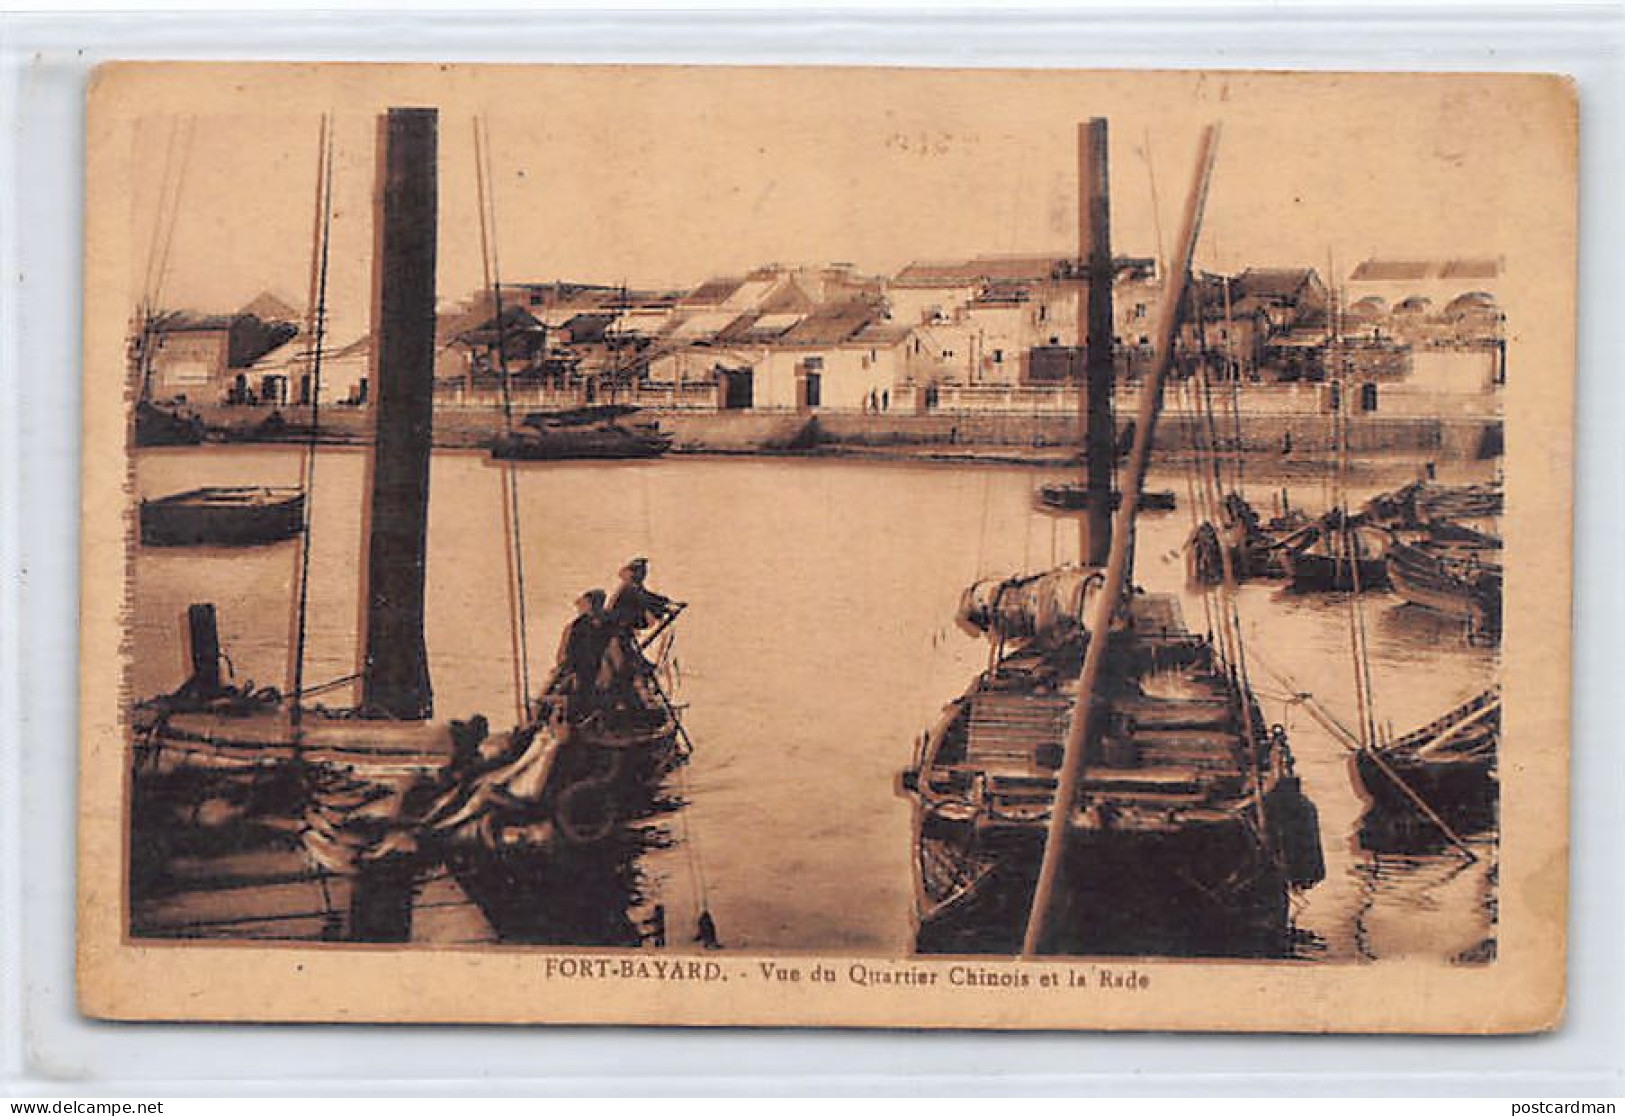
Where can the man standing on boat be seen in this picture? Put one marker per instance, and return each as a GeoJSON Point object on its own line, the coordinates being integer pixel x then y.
{"type": "Point", "coordinates": [581, 654]}
{"type": "Point", "coordinates": [634, 608]}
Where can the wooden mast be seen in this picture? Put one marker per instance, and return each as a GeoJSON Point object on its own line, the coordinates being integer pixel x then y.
{"type": "Point", "coordinates": [1095, 322]}
{"type": "Point", "coordinates": [395, 669]}
{"type": "Point", "coordinates": [1036, 939]}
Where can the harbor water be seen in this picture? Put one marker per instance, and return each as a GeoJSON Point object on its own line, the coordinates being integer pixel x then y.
{"type": "Point", "coordinates": [818, 643]}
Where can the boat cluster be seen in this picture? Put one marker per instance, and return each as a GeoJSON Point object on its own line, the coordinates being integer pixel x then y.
{"type": "Point", "coordinates": [1433, 545]}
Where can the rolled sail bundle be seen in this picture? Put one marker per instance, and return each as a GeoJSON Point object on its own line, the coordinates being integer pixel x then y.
{"type": "Point", "coordinates": [1049, 606]}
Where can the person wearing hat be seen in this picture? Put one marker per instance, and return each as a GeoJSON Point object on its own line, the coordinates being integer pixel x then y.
{"type": "Point", "coordinates": [634, 607]}
{"type": "Point", "coordinates": [581, 654]}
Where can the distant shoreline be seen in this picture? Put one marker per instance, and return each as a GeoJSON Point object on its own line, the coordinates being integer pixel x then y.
{"type": "Point", "coordinates": [1294, 441]}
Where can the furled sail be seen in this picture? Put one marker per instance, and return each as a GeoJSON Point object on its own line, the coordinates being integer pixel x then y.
{"type": "Point", "coordinates": [1049, 606]}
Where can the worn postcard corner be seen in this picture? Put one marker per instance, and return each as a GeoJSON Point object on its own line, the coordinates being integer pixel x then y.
{"type": "Point", "coordinates": [803, 546]}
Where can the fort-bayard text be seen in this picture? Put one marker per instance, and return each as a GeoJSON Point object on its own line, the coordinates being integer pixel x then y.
{"type": "Point", "coordinates": [851, 974]}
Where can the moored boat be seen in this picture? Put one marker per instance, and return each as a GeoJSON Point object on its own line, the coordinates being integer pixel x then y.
{"type": "Point", "coordinates": [166, 424]}
{"type": "Point", "coordinates": [586, 432]}
{"type": "Point", "coordinates": [1108, 785]}
{"type": "Point", "coordinates": [1450, 764]}
{"type": "Point", "coordinates": [1424, 502]}
{"type": "Point", "coordinates": [1067, 496]}
{"type": "Point", "coordinates": [1337, 558]}
{"type": "Point", "coordinates": [1462, 584]}
{"type": "Point", "coordinates": [257, 813]}
{"type": "Point", "coordinates": [1190, 831]}
{"type": "Point", "coordinates": [223, 516]}
{"type": "Point", "coordinates": [1250, 544]}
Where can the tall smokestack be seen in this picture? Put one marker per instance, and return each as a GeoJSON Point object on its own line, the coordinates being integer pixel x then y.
{"type": "Point", "coordinates": [1095, 322]}
{"type": "Point", "coordinates": [395, 672]}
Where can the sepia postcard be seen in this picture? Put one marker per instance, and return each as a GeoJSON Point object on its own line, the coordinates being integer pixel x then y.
{"type": "Point", "coordinates": [827, 547]}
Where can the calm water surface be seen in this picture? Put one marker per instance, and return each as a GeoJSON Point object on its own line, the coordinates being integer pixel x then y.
{"type": "Point", "coordinates": [818, 643]}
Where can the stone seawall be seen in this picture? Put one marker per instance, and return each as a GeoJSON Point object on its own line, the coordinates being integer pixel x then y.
{"type": "Point", "coordinates": [1005, 436]}
{"type": "Point", "coordinates": [1176, 432]}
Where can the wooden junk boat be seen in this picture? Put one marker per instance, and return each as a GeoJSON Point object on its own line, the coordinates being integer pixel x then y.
{"type": "Point", "coordinates": [223, 516]}
{"type": "Point", "coordinates": [1242, 542]}
{"type": "Point", "coordinates": [600, 432]}
{"type": "Point", "coordinates": [1336, 555]}
{"type": "Point", "coordinates": [1069, 496]}
{"type": "Point", "coordinates": [1421, 503]}
{"type": "Point", "coordinates": [1190, 829]}
{"type": "Point", "coordinates": [166, 424]}
{"type": "Point", "coordinates": [157, 423]}
{"type": "Point", "coordinates": [1464, 584]}
{"type": "Point", "coordinates": [257, 813]}
{"type": "Point", "coordinates": [1450, 764]}
{"type": "Point", "coordinates": [1108, 784]}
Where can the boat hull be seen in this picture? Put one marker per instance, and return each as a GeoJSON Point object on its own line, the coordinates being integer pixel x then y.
{"type": "Point", "coordinates": [614, 443]}
{"type": "Point", "coordinates": [1200, 891]}
{"type": "Point", "coordinates": [157, 425]}
{"type": "Point", "coordinates": [1189, 831]}
{"type": "Point", "coordinates": [1320, 573]}
{"type": "Point", "coordinates": [1424, 579]}
{"type": "Point", "coordinates": [1460, 789]}
{"type": "Point", "coordinates": [222, 517]}
{"type": "Point", "coordinates": [1075, 497]}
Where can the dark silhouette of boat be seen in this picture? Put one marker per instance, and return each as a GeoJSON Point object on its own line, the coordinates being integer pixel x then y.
{"type": "Point", "coordinates": [1068, 496]}
{"type": "Point", "coordinates": [1334, 555]}
{"type": "Point", "coordinates": [1462, 583]}
{"type": "Point", "coordinates": [1251, 545]}
{"type": "Point", "coordinates": [1421, 503]}
{"type": "Point", "coordinates": [166, 424]}
{"type": "Point", "coordinates": [223, 516]}
{"type": "Point", "coordinates": [1450, 764]}
{"type": "Point", "coordinates": [603, 432]}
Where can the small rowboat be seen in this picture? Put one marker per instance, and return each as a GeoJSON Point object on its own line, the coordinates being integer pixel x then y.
{"type": "Point", "coordinates": [1450, 764]}
{"type": "Point", "coordinates": [1075, 497]}
{"type": "Point", "coordinates": [1338, 560]}
{"type": "Point", "coordinates": [1462, 584]}
{"type": "Point", "coordinates": [241, 516]}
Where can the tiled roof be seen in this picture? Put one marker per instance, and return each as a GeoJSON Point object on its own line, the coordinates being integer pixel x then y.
{"type": "Point", "coordinates": [1271, 282]}
{"type": "Point", "coordinates": [1391, 271]}
{"type": "Point", "coordinates": [982, 269]}
{"type": "Point", "coordinates": [831, 325]}
{"type": "Point", "coordinates": [712, 292]}
{"type": "Point", "coordinates": [994, 269]}
{"type": "Point", "coordinates": [1410, 271]}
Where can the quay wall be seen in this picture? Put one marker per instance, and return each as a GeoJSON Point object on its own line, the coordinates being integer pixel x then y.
{"type": "Point", "coordinates": [1006, 435]}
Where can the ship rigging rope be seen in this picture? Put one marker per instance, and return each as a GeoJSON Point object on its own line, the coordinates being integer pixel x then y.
{"type": "Point", "coordinates": [665, 662]}
{"type": "Point", "coordinates": [1364, 690]}
{"type": "Point", "coordinates": [491, 262]}
{"type": "Point", "coordinates": [1233, 647]}
{"type": "Point", "coordinates": [159, 216]}
{"type": "Point", "coordinates": [165, 217]}
{"type": "Point", "coordinates": [1196, 494]}
{"type": "Point", "coordinates": [1204, 471]}
{"type": "Point", "coordinates": [1197, 504]}
{"type": "Point", "coordinates": [170, 187]}
{"type": "Point", "coordinates": [307, 477]}
{"type": "Point", "coordinates": [1232, 372]}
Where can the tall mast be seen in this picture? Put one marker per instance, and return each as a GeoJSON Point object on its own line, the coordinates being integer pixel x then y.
{"type": "Point", "coordinates": [1095, 321]}
{"type": "Point", "coordinates": [1105, 605]}
{"type": "Point", "coordinates": [395, 670]}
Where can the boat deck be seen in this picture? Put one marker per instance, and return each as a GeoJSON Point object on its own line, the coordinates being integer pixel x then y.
{"type": "Point", "coordinates": [1170, 738]}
